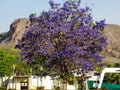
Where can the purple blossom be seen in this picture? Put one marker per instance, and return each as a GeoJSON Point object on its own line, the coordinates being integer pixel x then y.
{"type": "Point", "coordinates": [51, 2]}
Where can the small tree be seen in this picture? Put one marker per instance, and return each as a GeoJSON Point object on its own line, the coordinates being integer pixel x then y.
{"type": "Point", "coordinates": [7, 60]}
{"type": "Point", "coordinates": [66, 37]}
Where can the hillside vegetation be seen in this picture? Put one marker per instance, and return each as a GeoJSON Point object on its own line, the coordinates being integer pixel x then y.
{"type": "Point", "coordinates": [113, 49]}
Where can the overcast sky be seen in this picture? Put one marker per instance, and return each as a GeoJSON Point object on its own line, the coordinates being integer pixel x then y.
{"type": "Point", "coordinates": [14, 9]}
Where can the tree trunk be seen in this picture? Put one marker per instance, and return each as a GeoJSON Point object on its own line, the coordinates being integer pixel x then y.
{"type": "Point", "coordinates": [0, 81]}
{"type": "Point", "coordinates": [82, 79]}
{"type": "Point", "coordinates": [64, 85]}
{"type": "Point", "coordinates": [37, 82]}
{"type": "Point", "coordinates": [41, 80]}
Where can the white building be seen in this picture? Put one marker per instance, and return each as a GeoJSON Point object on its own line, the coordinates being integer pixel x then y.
{"type": "Point", "coordinates": [32, 82]}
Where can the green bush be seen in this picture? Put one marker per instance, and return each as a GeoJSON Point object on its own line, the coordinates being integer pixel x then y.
{"type": "Point", "coordinates": [2, 88]}
{"type": "Point", "coordinates": [12, 89]}
{"type": "Point", "coordinates": [57, 88]}
{"type": "Point", "coordinates": [40, 88]}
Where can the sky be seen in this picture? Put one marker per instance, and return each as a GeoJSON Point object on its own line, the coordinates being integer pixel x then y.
{"type": "Point", "coordinates": [14, 9]}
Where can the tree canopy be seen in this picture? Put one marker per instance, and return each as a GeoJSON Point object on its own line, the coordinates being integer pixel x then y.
{"type": "Point", "coordinates": [7, 60]}
{"type": "Point", "coordinates": [66, 37]}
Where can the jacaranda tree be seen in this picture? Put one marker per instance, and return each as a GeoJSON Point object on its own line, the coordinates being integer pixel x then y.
{"type": "Point", "coordinates": [66, 38]}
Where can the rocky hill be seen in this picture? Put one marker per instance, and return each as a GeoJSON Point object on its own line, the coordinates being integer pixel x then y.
{"type": "Point", "coordinates": [113, 50]}
{"type": "Point", "coordinates": [18, 27]}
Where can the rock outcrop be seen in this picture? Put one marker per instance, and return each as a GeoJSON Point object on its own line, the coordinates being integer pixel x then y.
{"type": "Point", "coordinates": [17, 29]}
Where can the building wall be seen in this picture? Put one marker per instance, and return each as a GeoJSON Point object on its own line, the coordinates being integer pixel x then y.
{"type": "Point", "coordinates": [47, 82]}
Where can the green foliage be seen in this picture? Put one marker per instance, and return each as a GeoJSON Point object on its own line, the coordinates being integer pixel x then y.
{"type": "Point", "coordinates": [98, 68]}
{"type": "Point", "coordinates": [7, 59]}
{"type": "Point", "coordinates": [11, 63]}
{"type": "Point", "coordinates": [21, 68]}
{"type": "Point", "coordinates": [112, 78]}
{"type": "Point", "coordinates": [115, 65]}
{"type": "Point", "coordinates": [2, 88]}
{"type": "Point", "coordinates": [38, 68]}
